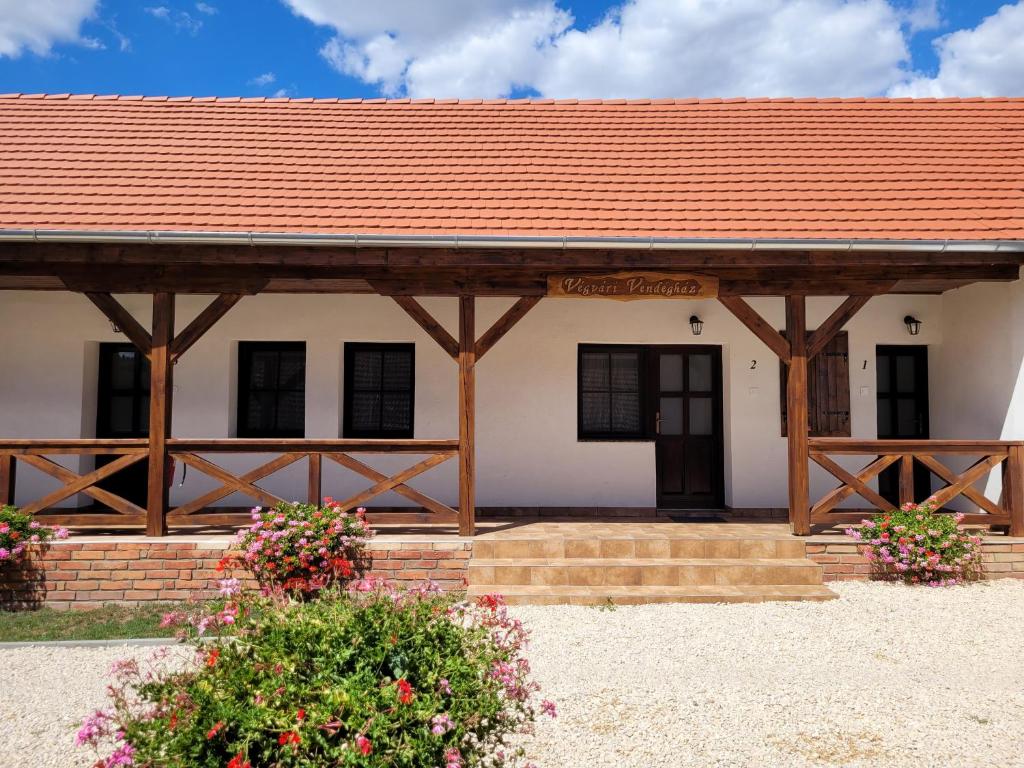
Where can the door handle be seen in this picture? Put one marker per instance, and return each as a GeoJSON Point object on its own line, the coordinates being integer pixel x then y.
{"type": "Point", "coordinates": [657, 423]}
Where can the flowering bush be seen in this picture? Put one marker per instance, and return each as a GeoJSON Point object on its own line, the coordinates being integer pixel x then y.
{"type": "Point", "coordinates": [918, 546]}
{"type": "Point", "coordinates": [19, 531]}
{"type": "Point", "coordinates": [376, 677]}
{"type": "Point", "coordinates": [302, 547]}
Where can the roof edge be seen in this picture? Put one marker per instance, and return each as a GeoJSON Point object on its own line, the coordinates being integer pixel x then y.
{"type": "Point", "coordinates": [538, 101]}
{"type": "Point", "coordinates": [355, 240]}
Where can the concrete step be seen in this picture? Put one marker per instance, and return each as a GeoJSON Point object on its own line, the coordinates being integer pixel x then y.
{"type": "Point", "coordinates": [637, 595]}
{"type": "Point", "coordinates": [499, 574]}
{"type": "Point", "coordinates": [645, 546]}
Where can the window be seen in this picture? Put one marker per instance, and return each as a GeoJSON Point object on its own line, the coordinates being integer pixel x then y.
{"type": "Point", "coordinates": [271, 389]}
{"type": "Point", "coordinates": [610, 393]}
{"type": "Point", "coordinates": [379, 390]}
{"type": "Point", "coordinates": [828, 390]}
{"type": "Point", "coordinates": [122, 405]}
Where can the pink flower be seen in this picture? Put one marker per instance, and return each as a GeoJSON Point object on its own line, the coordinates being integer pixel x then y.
{"type": "Point", "coordinates": [440, 724]}
{"type": "Point", "coordinates": [548, 708]}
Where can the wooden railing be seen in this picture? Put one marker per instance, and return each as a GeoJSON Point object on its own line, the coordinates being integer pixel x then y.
{"type": "Point", "coordinates": [1008, 456]}
{"type": "Point", "coordinates": [196, 455]}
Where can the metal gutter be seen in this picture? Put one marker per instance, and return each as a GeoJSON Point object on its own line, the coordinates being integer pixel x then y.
{"type": "Point", "coordinates": [157, 237]}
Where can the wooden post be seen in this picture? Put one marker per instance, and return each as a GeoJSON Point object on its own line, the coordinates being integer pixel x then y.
{"type": "Point", "coordinates": [1013, 489]}
{"type": "Point", "coordinates": [467, 413]}
{"type": "Point", "coordinates": [907, 479]}
{"type": "Point", "coordinates": [797, 417]}
{"type": "Point", "coordinates": [8, 473]}
{"type": "Point", "coordinates": [160, 390]}
{"type": "Point", "coordinates": [313, 494]}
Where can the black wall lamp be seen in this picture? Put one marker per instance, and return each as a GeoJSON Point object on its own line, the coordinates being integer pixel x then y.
{"type": "Point", "coordinates": [913, 324]}
{"type": "Point", "coordinates": [696, 325]}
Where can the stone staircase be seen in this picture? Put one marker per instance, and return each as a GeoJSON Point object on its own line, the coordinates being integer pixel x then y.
{"type": "Point", "coordinates": [676, 565]}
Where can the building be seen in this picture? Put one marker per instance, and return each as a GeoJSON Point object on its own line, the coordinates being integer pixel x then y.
{"type": "Point", "coordinates": [408, 304]}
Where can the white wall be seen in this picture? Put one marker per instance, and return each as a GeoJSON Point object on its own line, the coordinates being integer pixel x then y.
{"type": "Point", "coordinates": [977, 383]}
{"type": "Point", "coordinates": [528, 454]}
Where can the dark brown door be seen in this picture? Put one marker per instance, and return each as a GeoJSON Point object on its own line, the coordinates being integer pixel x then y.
{"type": "Point", "coordinates": [122, 411]}
{"type": "Point", "coordinates": [902, 387]}
{"type": "Point", "coordinates": [686, 406]}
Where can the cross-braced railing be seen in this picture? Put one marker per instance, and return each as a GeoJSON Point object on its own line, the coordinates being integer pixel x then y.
{"type": "Point", "coordinates": [201, 456]}
{"type": "Point", "coordinates": [906, 454]}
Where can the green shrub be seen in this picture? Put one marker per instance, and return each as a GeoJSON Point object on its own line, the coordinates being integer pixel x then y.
{"type": "Point", "coordinates": [375, 677]}
{"type": "Point", "coordinates": [918, 546]}
{"type": "Point", "coordinates": [18, 532]}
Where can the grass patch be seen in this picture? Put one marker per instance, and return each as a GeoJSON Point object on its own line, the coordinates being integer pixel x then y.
{"type": "Point", "coordinates": [109, 622]}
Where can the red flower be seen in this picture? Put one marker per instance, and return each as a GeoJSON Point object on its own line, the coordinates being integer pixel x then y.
{"type": "Point", "coordinates": [236, 762]}
{"type": "Point", "coordinates": [211, 659]}
{"type": "Point", "coordinates": [300, 715]}
{"type": "Point", "coordinates": [404, 691]}
{"type": "Point", "coordinates": [289, 737]}
{"type": "Point", "coordinates": [342, 566]}
{"type": "Point", "coordinates": [215, 730]}
{"type": "Point", "coordinates": [173, 722]}
{"type": "Point", "coordinates": [364, 745]}
{"type": "Point", "coordinates": [490, 602]}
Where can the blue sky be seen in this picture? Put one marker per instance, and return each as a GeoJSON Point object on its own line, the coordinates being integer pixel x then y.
{"type": "Point", "coordinates": [487, 48]}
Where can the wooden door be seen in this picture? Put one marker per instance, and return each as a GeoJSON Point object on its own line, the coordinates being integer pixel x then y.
{"type": "Point", "coordinates": [122, 411]}
{"type": "Point", "coordinates": [685, 396]}
{"type": "Point", "coordinates": [902, 390]}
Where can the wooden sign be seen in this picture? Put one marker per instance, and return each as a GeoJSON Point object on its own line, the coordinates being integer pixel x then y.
{"type": "Point", "coordinates": [626, 286]}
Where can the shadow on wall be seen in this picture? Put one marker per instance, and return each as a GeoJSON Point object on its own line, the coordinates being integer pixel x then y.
{"type": "Point", "coordinates": [23, 585]}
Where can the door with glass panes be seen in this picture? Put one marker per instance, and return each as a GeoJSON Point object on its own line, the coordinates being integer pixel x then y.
{"type": "Point", "coordinates": [902, 392]}
{"type": "Point", "coordinates": [685, 408]}
{"type": "Point", "coordinates": [122, 411]}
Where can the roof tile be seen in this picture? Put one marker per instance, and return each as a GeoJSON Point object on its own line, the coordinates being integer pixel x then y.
{"type": "Point", "coordinates": [762, 168]}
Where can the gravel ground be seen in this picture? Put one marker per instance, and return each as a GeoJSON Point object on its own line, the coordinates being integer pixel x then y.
{"type": "Point", "coordinates": [886, 676]}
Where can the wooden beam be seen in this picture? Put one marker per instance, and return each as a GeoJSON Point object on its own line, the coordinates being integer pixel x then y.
{"type": "Point", "coordinates": [835, 322]}
{"type": "Point", "coordinates": [161, 384]}
{"type": "Point", "coordinates": [230, 483]}
{"type": "Point", "coordinates": [855, 482]}
{"type": "Point", "coordinates": [123, 319]}
{"type": "Point", "coordinates": [8, 476]}
{"type": "Point", "coordinates": [202, 323]}
{"type": "Point", "coordinates": [314, 490]}
{"type": "Point", "coordinates": [1013, 489]}
{"type": "Point", "coordinates": [115, 502]}
{"type": "Point", "coordinates": [425, 321]}
{"type": "Point", "coordinates": [80, 483]}
{"type": "Point", "coordinates": [948, 476]}
{"type": "Point", "coordinates": [974, 473]}
{"type": "Point", "coordinates": [504, 324]}
{"type": "Point", "coordinates": [750, 318]}
{"type": "Point", "coordinates": [412, 494]}
{"type": "Point", "coordinates": [797, 416]}
{"type": "Point", "coordinates": [907, 479]}
{"type": "Point", "coordinates": [833, 498]}
{"type": "Point", "coordinates": [390, 483]}
{"type": "Point", "coordinates": [467, 415]}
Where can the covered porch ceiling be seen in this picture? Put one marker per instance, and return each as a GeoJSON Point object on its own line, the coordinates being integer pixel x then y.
{"type": "Point", "coordinates": [820, 268]}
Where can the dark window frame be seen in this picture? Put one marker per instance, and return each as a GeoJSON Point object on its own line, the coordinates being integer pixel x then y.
{"type": "Point", "coordinates": [643, 434]}
{"type": "Point", "coordinates": [245, 350]}
{"type": "Point", "coordinates": [139, 391]}
{"type": "Point", "coordinates": [353, 347]}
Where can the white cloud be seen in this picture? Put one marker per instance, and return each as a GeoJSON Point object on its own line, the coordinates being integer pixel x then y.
{"type": "Point", "coordinates": [444, 47]}
{"type": "Point", "coordinates": [263, 80]}
{"type": "Point", "coordinates": [731, 48]}
{"type": "Point", "coordinates": [987, 60]}
{"type": "Point", "coordinates": [39, 24]}
{"type": "Point", "coordinates": [182, 21]}
{"type": "Point", "coordinates": [206, 8]}
{"type": "Point", "coordinates": [642, 48]}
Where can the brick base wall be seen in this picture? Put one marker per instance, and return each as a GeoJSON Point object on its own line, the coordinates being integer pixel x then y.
{"type": "Point", "coordinates": [70, 574]}
{"type": "Point", "coordinates": [842, 561]}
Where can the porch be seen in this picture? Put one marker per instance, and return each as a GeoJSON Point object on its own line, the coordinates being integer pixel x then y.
{"type": "Point", "coordinates": [240, 472]}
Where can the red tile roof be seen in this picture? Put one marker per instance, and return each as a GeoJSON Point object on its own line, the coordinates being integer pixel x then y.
{"type": "Point", "coordinates": [716, 168]}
